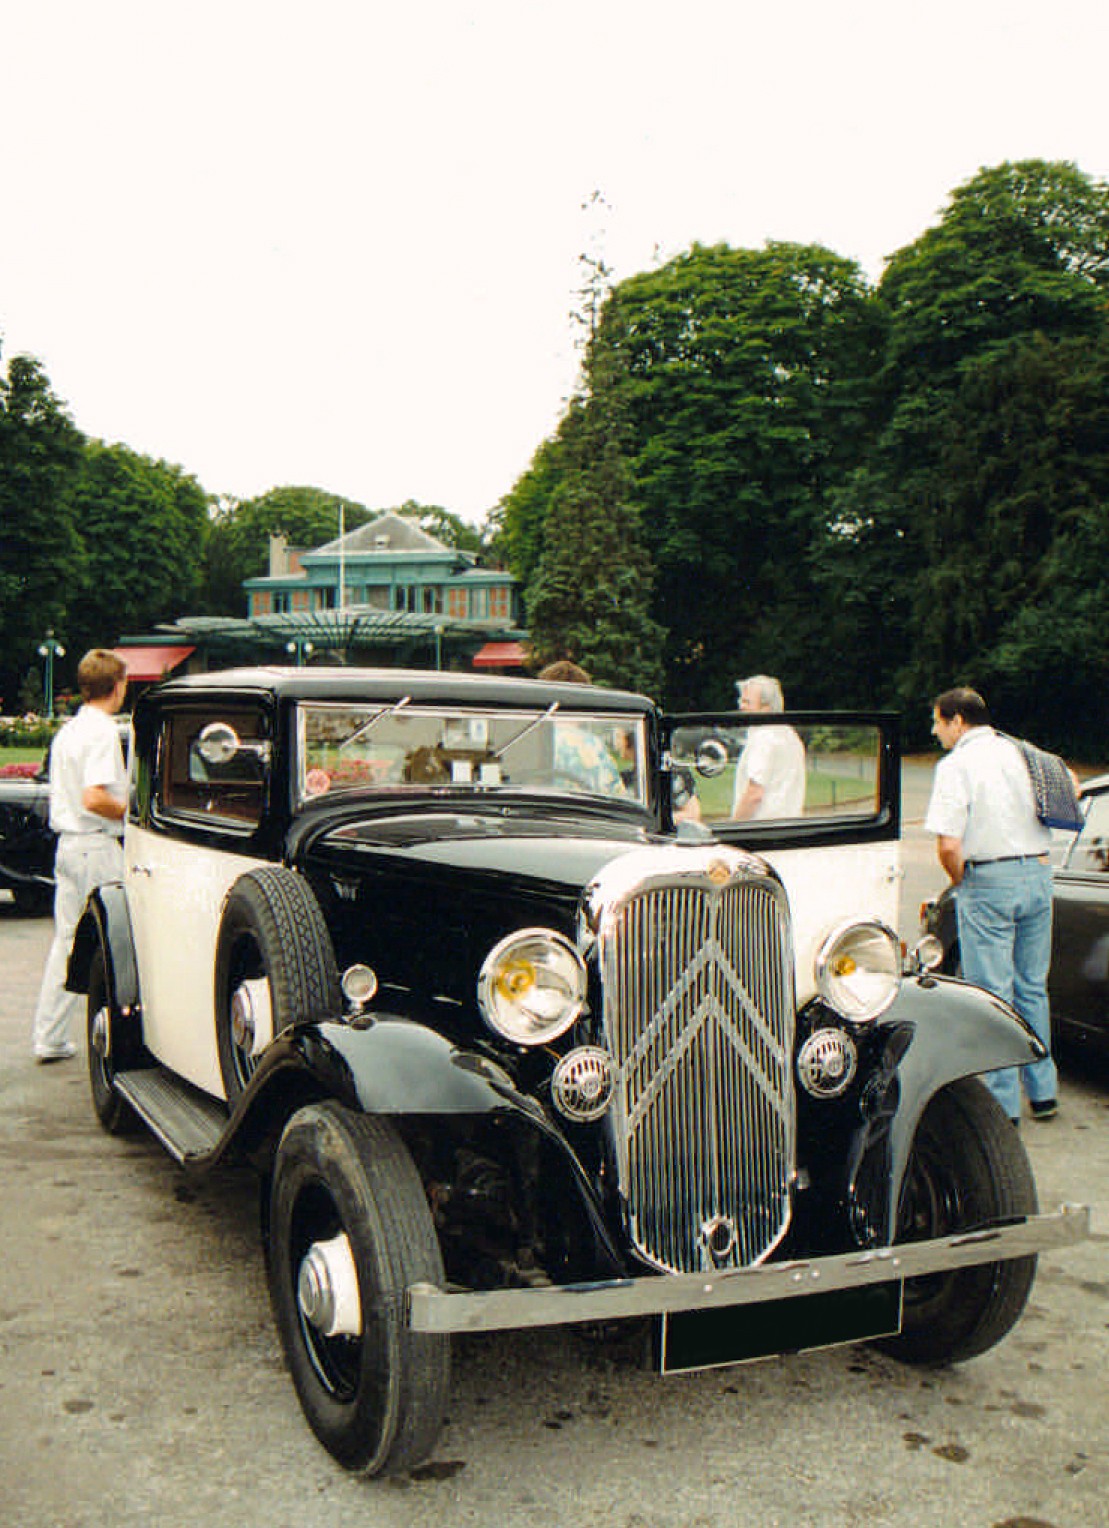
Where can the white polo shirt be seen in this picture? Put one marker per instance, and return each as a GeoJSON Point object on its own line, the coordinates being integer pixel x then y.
{"type": "Point", "coordinates": [774, 758]}
{"type": "Point", "coordinates": [86, 752]}
{"type": "Point", "coordinates": [981, 794]}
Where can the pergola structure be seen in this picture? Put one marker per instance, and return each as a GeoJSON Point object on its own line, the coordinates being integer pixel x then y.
{"type": "Point", "coordinates": [398, 637]}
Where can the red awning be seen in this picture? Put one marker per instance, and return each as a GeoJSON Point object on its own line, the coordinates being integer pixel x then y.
{"type": "Point", "coordinates": [151, 662]}
{"type": "Point", "coordinates": [501, 655]}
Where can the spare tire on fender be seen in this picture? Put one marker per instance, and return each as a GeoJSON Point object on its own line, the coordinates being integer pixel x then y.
{"type": "Point", "coordinates": [274, 950]}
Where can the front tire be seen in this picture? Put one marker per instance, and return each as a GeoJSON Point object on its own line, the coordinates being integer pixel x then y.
{"type": "Point", "coordinates": [967, 1167]}
{"type": "Point", "coordinates": [108, 1054]}
{"type": "Point", "coordinates": [345, 1190]}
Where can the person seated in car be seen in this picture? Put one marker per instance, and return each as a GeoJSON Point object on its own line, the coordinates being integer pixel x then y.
{"type": "Point", "coordinates": [579, 754]}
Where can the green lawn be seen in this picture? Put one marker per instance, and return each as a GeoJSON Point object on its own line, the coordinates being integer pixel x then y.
{"type": "Point", "coordinates": [823, 789]}
{"type": "Point", "coordinates": [21, 755]}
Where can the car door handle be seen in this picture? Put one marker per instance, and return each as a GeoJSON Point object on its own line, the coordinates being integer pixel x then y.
{"type": "Point", "coordinates": [139, 870]}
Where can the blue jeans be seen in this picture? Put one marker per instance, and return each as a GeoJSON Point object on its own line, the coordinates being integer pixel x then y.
{"type": "Point", "coordinates": [1004, 915]}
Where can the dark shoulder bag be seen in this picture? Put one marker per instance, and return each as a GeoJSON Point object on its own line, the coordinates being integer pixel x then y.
{"type": "Point", "coordinates": [1052, 787]}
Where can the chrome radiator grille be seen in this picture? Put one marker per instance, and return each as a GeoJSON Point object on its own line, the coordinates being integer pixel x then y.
{"type": "Point", "coordinates": [697, 979]}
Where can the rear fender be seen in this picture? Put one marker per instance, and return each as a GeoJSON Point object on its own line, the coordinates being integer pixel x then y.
{"type": "Point", "coordinates": [106, 924]}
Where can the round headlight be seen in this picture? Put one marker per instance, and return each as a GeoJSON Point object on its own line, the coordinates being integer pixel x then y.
{"type": "Point", "coordinates": [532, 986]}
{"type": "Point", "coordinates": [858, 970]}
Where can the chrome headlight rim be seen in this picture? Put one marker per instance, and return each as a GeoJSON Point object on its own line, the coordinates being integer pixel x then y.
{"type": "Point", "coordinates": [506, 1013]}
{"type": "Point", "coordinates": [850, 1004]}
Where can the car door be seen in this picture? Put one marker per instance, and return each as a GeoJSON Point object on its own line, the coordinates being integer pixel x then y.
{"type": "Point", "coordinates": [831, 822]}
{"type": "Point", "coordinates": [1079, 981]}
{"type": "Point", "coordinates": [179, 865]}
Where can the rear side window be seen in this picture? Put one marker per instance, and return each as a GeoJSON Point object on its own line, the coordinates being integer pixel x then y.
{"type": "Point", "coordinates": [228, 790]}
{"type": "Point", "coordinates": [1090, 852]}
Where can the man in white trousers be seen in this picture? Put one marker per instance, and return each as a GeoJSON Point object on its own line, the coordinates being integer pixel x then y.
{"type": "Point", "coordinates": [88, 786]}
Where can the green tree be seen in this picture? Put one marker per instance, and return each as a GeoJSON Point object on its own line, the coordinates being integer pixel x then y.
{"type": "Point", "coordinates": [40, 549]}
{"type": "Point", "coordinates": [1015, 551]}
{"type": "Point", "coordinates": [517, 522]}
{"type": "Point", "coordinates": [589, 595]}
{"type": "Point", "coordinates": [945, 530]}
{"type": "Point", "coordinates": [238, 543]}
{"type": "Point", "coordinates": [1021, 248]}
{"type": "Point", "coordinates": [143, 524]}
{"type": "Point", "coordinates": [745, 379]}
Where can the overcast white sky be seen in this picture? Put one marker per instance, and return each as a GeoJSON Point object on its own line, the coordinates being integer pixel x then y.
{"type": "Point", "coordinates": [336, 242]}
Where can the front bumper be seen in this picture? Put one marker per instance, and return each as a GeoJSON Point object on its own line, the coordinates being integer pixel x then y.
{"type": "Point", "coordinates": [437, 1310]}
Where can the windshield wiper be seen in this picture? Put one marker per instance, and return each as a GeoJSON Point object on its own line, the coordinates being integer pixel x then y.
{"type": "Point", "coordinates": [536, 721]}
{"type": "Point", "coordinates": [367, 727]}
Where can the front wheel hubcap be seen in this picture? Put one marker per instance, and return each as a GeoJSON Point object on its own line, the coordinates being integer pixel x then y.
{"type": "Point", "coordinates": [100, 1036]}
{"type": "Point", "coordinates": [327, 1288]}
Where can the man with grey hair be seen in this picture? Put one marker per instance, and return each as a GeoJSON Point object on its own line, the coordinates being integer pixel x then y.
{"type": "Point", "coordinates": [770, 775]}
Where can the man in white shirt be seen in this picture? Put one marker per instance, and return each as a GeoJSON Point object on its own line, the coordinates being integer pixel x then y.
{"type": "Point", "coordinates": [770, 774]}
{"type": "Point", "coordinates": [995, 851]}
{"type": "Point", "coordinates": [87, 804]}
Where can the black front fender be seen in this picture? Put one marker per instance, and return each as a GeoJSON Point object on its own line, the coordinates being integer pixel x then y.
{"type": "Point", "coordinates": [393, 1066]}
{"type": "Point", "coordinates": [938, 1030]}
{"type": "Point", "coordinates": [388, 1065]}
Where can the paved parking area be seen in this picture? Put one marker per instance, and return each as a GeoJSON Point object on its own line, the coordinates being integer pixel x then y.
{"type": "Point", "coordinates": [141, 1381]}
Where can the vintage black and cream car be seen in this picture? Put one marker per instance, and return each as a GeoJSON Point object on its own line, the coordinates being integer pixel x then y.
{"type": "Point", "coordinates": [518, 1033]}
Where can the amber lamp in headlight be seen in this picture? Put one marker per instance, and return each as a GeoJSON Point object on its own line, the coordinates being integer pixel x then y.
{"type": "Point", "coordinates": [532, 986]}
{"type": "Point", "coordinates": [858, 970]}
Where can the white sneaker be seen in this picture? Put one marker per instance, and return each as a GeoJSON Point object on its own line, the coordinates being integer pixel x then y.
{"type": "Point", "coordinates": [58, 1053]}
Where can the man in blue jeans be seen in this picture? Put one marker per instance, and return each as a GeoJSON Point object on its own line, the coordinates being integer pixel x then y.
{"type": "Point", "coordinates": [995, 850]}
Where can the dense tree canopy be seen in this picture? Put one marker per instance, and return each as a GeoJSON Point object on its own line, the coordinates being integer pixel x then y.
{"type": "Point", "coordinates": [589, 596]}
{"type": "Point", "coordinates": [873, 493]}
{"type": "Point", "coordinates": [742, 377]}
{"type": "Point", "coordinates": [40, 550]}
{"type": "Point", "coordinates": [143, 526]}
{"type": "Point", "coordinates": [994, 316]}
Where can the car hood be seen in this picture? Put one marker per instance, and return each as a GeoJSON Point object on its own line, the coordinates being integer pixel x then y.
{"type": "Point", "coordinates": [560, 850]}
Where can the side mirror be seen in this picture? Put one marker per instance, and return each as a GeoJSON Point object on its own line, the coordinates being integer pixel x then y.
{"type": "Point", "coordinates": [712, 758]}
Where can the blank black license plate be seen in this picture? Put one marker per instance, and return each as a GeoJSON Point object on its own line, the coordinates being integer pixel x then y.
{"type": "Point", "coordinates": [708, 1339]}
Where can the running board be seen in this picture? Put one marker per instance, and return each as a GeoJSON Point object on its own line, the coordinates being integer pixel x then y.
{"type": "Point", "coordinates": [189, 1124]}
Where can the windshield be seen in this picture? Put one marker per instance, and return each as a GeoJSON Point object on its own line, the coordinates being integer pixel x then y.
{"type": "Point", "coordinates": [344, 747]}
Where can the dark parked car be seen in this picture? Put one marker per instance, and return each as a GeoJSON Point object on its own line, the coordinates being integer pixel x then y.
{"type": "Point", "coordinates": [510, 1049]}
{"type": "Point", "coordinates": [27, 841]}
{"type": "Point", "coordinates": [1078, 984]}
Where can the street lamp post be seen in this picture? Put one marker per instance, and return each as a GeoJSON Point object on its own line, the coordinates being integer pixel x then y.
{"type": "Point", "coordinates": [48, 651]}
{"type": "Point", "coordinates": [302, 648]}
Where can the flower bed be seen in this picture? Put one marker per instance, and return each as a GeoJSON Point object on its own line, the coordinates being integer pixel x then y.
{"type": "Point", "coordinates": [27, 771]}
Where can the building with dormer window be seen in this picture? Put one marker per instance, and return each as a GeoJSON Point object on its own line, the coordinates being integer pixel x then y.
{"type": "Point", "coordinates": [389, 564]}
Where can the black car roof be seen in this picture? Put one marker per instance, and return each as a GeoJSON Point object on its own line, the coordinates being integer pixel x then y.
{"type": "Point", "coordinates": [427, 685]}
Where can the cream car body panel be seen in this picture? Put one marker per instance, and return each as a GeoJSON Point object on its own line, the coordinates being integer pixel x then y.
{"type": "Point", "coordinates": [860, 881]}
{"type": "Point", "coordinates": [174, 884]}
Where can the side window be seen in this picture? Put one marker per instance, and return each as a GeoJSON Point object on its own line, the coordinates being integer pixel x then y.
{"type": "Point", "coordinates": [1090, 850]}
{"type": "Point", "coordinates": [227, 790]}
